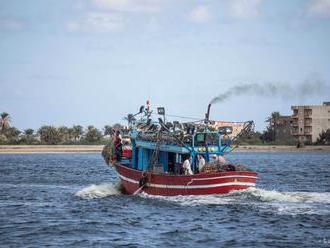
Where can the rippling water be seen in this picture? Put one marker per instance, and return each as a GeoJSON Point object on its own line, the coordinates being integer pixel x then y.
{"type": "Point", "coordinates": [74, 200]}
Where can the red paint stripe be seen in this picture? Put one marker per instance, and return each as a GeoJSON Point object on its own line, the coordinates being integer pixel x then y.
{"type": "Point", "coordinates": [234, 179]}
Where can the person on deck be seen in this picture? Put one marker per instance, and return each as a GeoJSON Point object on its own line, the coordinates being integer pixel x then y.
{"type": "Point", "coordinates": [187, 167]}
{"type": "Point", "coordinates": [201, 162]}
{"type": "Point", "coordinates": [219, 160]}
{"type": "Point", "coordinates": [118, 146]}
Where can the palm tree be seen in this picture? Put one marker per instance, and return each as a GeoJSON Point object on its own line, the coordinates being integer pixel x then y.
{"type": "Point", "coordinates": [273, 123]}
{"type": "Point", "coordinates": [93, 135]}
{"type": "Point", "coordinates": [28, 132]}
{"type": "Point", "coordinates": [12, 135]}
{"type": "Point", "coordinates": [274, 116]}
{"type": "Point", "coordinates": [4, 121]}
{"type": "Point", "coordinates": [63, 133]}
{"type": "Point", "coordinates": [77, 132]}
{"type": "Point", "coordinates": [28, 138]}
{"type": "Point", "coordinates": [49, 135]}
{"type": "Point", "coordinates": [117, 126]}
{"type": "Point", "coordinates": [70, 133]}
{"type": "Point", "coordinates": [107, 130]}
{"type": "Point", "coordinates": [324, 138]}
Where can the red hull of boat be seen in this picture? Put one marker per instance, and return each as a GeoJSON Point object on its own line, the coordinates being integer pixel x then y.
{"type": "Point", "coordinates": [199, 184]}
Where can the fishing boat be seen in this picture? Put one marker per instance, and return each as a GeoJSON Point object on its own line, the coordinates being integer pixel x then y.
{"type": "Point", "coordinates": [153, 159]}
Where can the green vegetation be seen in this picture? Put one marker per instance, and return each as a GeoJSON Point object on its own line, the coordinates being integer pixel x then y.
{"type": "Point", "coordinates": [324, 138]}
{"type": "Point", "coordinates": [50, 135]}
{"type": "Point", "coordinates": [270, 134]}
{"type": "Point", "coordinates": [277, 133]}
{"type": "Point", "coordinates": [92, 135]}
{"type": "Point", "coordinates": [254, 138]}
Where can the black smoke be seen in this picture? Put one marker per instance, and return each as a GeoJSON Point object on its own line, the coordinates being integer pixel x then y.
{"type": "Point", "coordinates": [310, 87]}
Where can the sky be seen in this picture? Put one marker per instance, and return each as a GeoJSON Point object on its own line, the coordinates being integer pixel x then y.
{"type": "Point", "coordinates": [94, 61]}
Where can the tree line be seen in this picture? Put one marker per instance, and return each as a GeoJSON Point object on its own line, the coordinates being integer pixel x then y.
{"type": "Point", "coordinates": [51, 135]}
{"type": "Point", "coordinates": [276, 133]}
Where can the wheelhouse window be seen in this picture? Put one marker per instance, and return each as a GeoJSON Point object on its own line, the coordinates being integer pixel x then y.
{"type": "Point", "coordinates": [209, 138]}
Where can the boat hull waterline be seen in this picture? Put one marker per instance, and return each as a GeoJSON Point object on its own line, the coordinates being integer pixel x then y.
{"type": "Point", "coordinates": [172, 185]}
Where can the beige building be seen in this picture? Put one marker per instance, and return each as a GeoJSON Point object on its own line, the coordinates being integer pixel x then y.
{"type": "Point", "coordinates": [237, 126]}
{"type": "Point", "coordinates": [310, 121]}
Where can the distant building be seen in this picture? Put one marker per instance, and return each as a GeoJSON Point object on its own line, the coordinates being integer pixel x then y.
{"type": "Point", "coordinates": [237, 126]}
{"type": "Point", "coordinates": [310, 120]}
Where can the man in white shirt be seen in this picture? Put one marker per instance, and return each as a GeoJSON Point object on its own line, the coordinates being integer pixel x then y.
{"type": "Point", "coordinates": [201, 162]}
{"type": "Point", "coordinates": [187, 167]}
{"type": "Point", "coordinates": [219, 160]}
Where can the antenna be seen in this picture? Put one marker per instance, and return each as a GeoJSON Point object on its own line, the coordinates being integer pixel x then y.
{"type": "Point", "coordinates": [161, 111]}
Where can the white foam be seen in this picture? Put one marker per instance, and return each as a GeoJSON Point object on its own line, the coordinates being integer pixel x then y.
{"type": "Point", "coordinates": [276, 196]}
{"type": "Point", "coordinates": [266, 200]}
{"type": "Point", "coordinates": [272, 195]}
{"type": "Point", "coordinates": [99, 191]}
{"type": "Point", "coordinates": [194, 200]}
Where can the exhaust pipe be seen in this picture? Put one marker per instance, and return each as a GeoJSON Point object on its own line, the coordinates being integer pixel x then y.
{"type": "Point", "coordinates": [207, 114]}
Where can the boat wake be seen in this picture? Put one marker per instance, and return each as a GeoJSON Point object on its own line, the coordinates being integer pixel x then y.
{"type": "Point", "coordinates": [99, 191]}
{"type": "Point", "coordinates": [261, 195]}
{"type": "Point", "coordinates": [267, 200]}
{"type": "Point", "coordinates": [291, 203]}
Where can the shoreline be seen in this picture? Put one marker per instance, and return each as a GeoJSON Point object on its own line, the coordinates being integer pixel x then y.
{"type": "Point", "coordinates": [54, 149]}
{"type": "Point", "coordinates": [49, 149]}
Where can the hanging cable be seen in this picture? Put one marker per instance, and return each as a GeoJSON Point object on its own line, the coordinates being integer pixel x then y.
{"type": "Point", "coordinates": [184, 117]}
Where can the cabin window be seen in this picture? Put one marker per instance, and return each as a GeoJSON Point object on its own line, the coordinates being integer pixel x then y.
{"type": "Point", "coordinates": [212, 139]}
{"type": "Point", "coordinates": [200, 138]}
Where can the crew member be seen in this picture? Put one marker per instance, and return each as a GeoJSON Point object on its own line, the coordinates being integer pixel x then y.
{"type": "Point", "coordinates": [187, 167]}
{"type": "Point", "coordinates": [201, 162]}
{"type": "Point", "coordinates": [218, 160]}
{"type": "Point", "coordinates": [118, 146]}
{"type": "Point", "coordinates": [221, 160]}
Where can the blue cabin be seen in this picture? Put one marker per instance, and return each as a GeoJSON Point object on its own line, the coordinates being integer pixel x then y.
{"type": "Point", "coordinates": [167, 155]}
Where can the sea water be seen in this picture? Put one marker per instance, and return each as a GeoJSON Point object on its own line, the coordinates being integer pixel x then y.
{"type": "Point", "coordinates": [74, 200]}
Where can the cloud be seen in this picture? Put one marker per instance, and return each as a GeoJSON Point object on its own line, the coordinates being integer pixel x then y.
{"type": "Point", "coordinates": [244, 9]}
{"type": "Point", "coordinates": [98, 22]}
{"type": "Point", "coordinates": [319, 8]}
{"type": "Point", "coordinates": [10, 24]}
{"type": "Point", "coordinates": [200, 14]}
{"type": "Point", "coordinates": [130, 5]}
